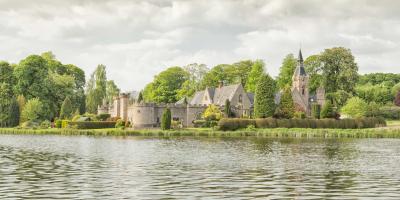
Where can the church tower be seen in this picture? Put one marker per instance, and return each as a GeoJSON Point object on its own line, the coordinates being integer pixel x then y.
{"type": "Point", "coordinates": [300, 91]}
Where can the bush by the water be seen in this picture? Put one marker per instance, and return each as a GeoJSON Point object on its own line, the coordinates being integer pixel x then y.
{"type": "Point", "coordinates": [92, 125]}
{"type": "Point", "coordinates": [238, 123]}
{"type": "Point", "coordinates": [120, 124]}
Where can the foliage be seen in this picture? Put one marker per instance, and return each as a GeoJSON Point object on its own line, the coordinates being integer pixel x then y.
{"type": "Point", "coordinates": [257, 70]}
{"type": "Point", "coordinates": [211, 113]}
{"type": "Point", "coordinates": [299, 115]}
{"type": "Point", "coordinates": [374, 93]}
{"type": "Point", "coordinates": [96, 89]}
{"type": "Point", "coordinates": [286, 71]}
{"type": "Point", "coordinates": [316, 111]}
{"type": "Point", "coordinates": [232, 124]}
{"type": "Point", "coordinates": [92, 125]}
{"type": "Point", "coordinates": [387, 79]}
{"type": "Point", "coordinates": [6, 73]}
{"type": "Point", "coordinates": [264, 101]}
{"type": "Point", "coordinates": [286, 105]}
{"type": "Point", "coordinates": [33, 110]}
{"type": "Point", "coordinates": [313, 68]}
{"type": "Point", "coordinates": [103, 117]}
{"type": "Point", "coordinates": [196, 73]}
{"type": "Point", "coordinates": [395, 89]}
{"type": "Point", "coordinates": [166, 119]}
{"type": "Point", "coordinates": [120, 123]}
{"type": "Point", "coordinates": [227, 109]}
{"type": "Point", "coordinates": [21, 104]}
{"type": "Point", "coordinates": [66, 109]}
{"type": "Point", "coordinates": [397, 99]}
{"type": "Point", "coordinates": [58, 123]}
{"type": "Point", "coordinates": [140, 97]}
{"type": "Point", "coordinates": [9, 110]}
{"type": "Point", "coordinates": [389, 112]}
{"type": "Point", "coordinates": [355, 108]}
{"type": "Point", "coordinates": [339, 70]}
{"type": "Point", "coordinates": [327, 110]}
{"type": "Point", "coordinates": [111, 91]}
{"type": "Point", "coordinates": [65, 123]}
{"type": "Point", "coordinates": [165, 86]}
{"type": "Point", "coordinates": [45, 124]}
{"type": "Point", "coordinates": [30, 125]}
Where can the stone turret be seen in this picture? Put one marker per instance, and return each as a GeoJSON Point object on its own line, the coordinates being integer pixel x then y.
{"type": "Point", "coordinates": [124, 101]}
{"type": "Point", "coordinates": [300, 85]}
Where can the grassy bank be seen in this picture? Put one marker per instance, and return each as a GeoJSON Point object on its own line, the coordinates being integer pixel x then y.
{"type": "Point", "coordinates": [276, 132]}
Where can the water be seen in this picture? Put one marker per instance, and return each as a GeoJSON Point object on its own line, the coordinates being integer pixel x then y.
{"type": "Point", "coordinates": [80, 167]}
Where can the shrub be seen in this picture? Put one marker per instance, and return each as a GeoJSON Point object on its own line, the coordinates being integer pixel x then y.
{"type": "Point", "coordinates": [176, 124]}
{"type": "Point", "coordinates": [75, 118]}
{"type": "Point", "coordinates": [299, 115]}
{"type": "Point", "coordinates": [327, 110]}
{"type": "Point", "coordinates": [45, 124]}
{"type": "Point", "coordinates": [30, 124]}
{"type": "Point", "coordinates": [316, 111]}
{"type": "Point", "coordinates": [33, 110]}
{"type": "Point", "coordinates": [120, 124]}
{"type": "Point", "coordinates": [286, 105]}
{"type": "Point", "coordinates": [64, 123]}
{"type": "Point", "coordinates": [236, 123]}
{"type": "Point", "coordinates": [199, 123]}
{"type": "Point", "coordinates": [355, 108]}
{"type": "Point", "coordinates": [66, 109]}
{"type": "Point", "coordinates": [212, 113]}
{"type": "Point", "coordinates": [166, 119]}
{"type": "Point", "coordinates": [58, 123]}
{"type": "Point", "coordinates": [251, 127]}
{"type": "Point", "coordinates": [389, 112]}
{"type": "Point", "coordinates": [264, 100]}
{"type": "Point", "coordinates": [92, 125]}
{"type": "Point", "coordinates": [103, 117]}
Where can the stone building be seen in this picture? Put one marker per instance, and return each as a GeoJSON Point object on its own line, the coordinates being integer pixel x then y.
{"type": "Point", "coordinates": [149, 114]}
{"type": "Point", "coordinates": [187, 110]}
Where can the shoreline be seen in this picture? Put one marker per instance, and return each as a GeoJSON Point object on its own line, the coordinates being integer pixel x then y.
{"type": "Point", "coordinates": [388, 132]}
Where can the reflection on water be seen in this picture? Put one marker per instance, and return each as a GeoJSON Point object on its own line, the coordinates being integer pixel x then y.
{"type": "Point", "coordinates": [78, 167]}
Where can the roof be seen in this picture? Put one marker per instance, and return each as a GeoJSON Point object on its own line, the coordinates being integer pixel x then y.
{"type": "Point", "coordinates": [218, 95]}
{"type": "Point", "coordinates": [300, 70]}
{"type": "Point", "coordinates": [251, 97]}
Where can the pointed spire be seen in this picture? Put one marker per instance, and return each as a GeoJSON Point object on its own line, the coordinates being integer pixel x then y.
{"type": "Point", "coordinates": [300, 56]}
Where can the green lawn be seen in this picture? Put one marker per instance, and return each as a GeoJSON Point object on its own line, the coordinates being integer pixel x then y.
{"type": "Point", "coordinates": [393, 123]}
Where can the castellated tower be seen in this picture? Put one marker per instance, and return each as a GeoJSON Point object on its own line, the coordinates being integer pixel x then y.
{"type": "Point", "coordinates": [300, 86]}
{"type": "Point", "coordinates": [124, 100]}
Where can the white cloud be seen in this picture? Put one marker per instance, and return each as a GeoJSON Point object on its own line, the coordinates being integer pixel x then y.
{"type": "Point", "coordinates": [137, 39]}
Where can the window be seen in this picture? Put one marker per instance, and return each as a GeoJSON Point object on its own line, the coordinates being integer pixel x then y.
{"type": "Point", "coordinates": [240, 98]}
{"type": "Point", "coordinates": [303, 90]}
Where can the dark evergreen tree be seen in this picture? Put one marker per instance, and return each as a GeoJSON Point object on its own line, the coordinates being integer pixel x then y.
{"type": "Point", "coordinates": [327, 110]}
{"type": "Point", "coordinates": [166, 119]}
{"type": "Point", "coordinates": [264, 101]}
{"type": "Point", "coordinates": [286, 105]}
{"type": "Point", "coordinates": [140, 97]}
{"type": "Point", "coordinates": [14, 113]}
{"type": "Point", "coordinates": [228, 111]}
{"type": "Point", "coordinates": [66, 109]}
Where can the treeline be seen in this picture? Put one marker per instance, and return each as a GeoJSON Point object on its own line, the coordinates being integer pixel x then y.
{"type": "Point", "coordinates": [41, 88]}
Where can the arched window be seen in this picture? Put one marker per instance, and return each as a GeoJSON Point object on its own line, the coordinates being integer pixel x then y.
{"type": "Point", "coordinates": [240, 98]}
{"type": "Point", "coordinates": [303, 90]}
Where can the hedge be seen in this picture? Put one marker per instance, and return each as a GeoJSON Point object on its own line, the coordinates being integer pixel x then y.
{"type": "Point", "coordinates": [238, 123]}
{"type": "Point", "coordinates": [92, 125]}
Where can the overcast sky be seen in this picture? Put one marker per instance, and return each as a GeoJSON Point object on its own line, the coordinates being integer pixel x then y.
{"type": "Point", "coordinates": [138, 39]}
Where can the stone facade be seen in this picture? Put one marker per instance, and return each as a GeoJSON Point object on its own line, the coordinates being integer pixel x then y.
{"type": "Point", "coordinates": [143, 115]}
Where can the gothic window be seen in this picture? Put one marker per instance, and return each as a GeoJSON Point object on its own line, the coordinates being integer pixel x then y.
{"type": "Point", "coordinates": [303, 90]}
{"type": "Point", "coordinates": [240, 98]}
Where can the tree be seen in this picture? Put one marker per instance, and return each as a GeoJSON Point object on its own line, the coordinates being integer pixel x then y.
{"type": "Point", "coordinates": [212, 113]}
{"type": "Point", "coordinates": [264, 101]}
{"type": "Point", "coordinates": [355, 108]}
{"type": "Point", "coordinates": [112, 91]}
{"type": "Point", "coordinates": [96, 89]}
{"type": "Point", "coordinates": [33, 110]}
{"type": "Point", "coordinates": [166, 119]}
{"type": "Point", "coordinates": [286, 71]}
{"type": "Point", "coordinates": [327, 110]}
{"type": "Point", "coordinates": [196, 73]}
{"type": "Point", "coordinates": [140, 97]}
{"type": "Point", "coordinates": [21, 105]}
{"type": "Point", "coordinates": [339, 70]}
{"type": "Point", "coordinates": [257, 70]}
{"type": "Point", "coordinates": [6, 73]}
{"type": "Point", "coordinates": [313, 68]}
{"type": "Point", "coordinates": [14, 113]}
{"type": "Point", "coordinates": [227, 109]}
{"type": "Point", "coordinates": [165, 86]}
{"type": "Point", "coordinates": [6, 96]}
{"type": "Point", "coordinates": [286, 105]}
{"type": "Point", "coordinates": [66, 109]}
{"type": "Point", "coordinates": [316, 111]}
{"type": "Point", "coordinates": [396, 89]}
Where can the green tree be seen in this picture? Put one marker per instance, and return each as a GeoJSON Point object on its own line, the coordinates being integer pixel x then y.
{"type": "Point", "coordinates": [33, 110]}
{"type": "Point", "coordinates": [355, 107]}
{"type": "Point", "coordinates": [257, 70]}
{"type": "Point", "coordinates": [66, 109]}
{"type": "Point", "coordinates": [339, 70]}
{"type": "Point", "coordinates": [327, 110]}
{"type": "Point", "coordinates": [6, 73]}
{"type": "Point", "coordinates": [166, 119]}
{"type": "Point", "coordinates": [96, 89]}
{"type": "Point", "coordinates": [196, 73]}
{"type": "Point", "coordinates": [286, 71]}
{"type": "Point", "coordinates": [313, 68]}
{"type": "Point", "coordinates": [316, 111]}
{"type": "Point", "coordinates": [112, 91]}
{"type": "Point", "coordinates": [6, 96]}
{"type": "Point", "coordinates": [286, 105]}
{"type": "Point", "coordinates": [227, 109]}
{"type": "Point", "coordinates": [21, 105]}
{"type": "Point", "coordinates": [264, 101]}
{"type": "Point", "coordinates": [165, 86]}
{"type": "Point", "coordinates": [14, 113]}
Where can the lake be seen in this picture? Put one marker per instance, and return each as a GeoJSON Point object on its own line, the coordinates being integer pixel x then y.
{"type": "Point", "coordinates": [81, 167]}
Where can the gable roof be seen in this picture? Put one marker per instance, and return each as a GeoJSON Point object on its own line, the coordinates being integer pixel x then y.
{"type": "Point", "coordinates": [218, 96]}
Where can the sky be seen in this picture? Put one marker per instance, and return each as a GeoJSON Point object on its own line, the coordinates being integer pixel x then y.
{"type": "Point", "coordinates": [137, 39]}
